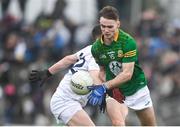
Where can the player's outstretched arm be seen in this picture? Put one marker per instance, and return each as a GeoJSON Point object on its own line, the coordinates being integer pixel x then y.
{"type": "Point", "coordinates": [63, 63]}
{"type": "Point", "coordinates": [40, 76]}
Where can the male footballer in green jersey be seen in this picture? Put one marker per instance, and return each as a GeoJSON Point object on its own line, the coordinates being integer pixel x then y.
{"type": "Point", "coordinates": [65, 104]}
{"type": "Point", "coordinates": [117, 55]}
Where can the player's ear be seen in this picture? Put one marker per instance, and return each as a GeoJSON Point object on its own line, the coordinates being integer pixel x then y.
{"type": "Point", "coordinates": [118, 24]}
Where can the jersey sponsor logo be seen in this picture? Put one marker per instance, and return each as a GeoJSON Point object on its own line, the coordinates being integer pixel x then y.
{"type": "Point", "coordinates": [115, 67]}
{"type": "Point", "coordinates": [120, 53]}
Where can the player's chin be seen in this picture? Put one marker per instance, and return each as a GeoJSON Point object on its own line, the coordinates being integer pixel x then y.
{"type": "Point", "coordinates": [108, 36]}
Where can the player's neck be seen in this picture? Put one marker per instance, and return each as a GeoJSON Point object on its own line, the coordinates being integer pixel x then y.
{"type": "Point", "coordinates": [108, 41]}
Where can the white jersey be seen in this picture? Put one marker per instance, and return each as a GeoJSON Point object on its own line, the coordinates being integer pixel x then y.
{"type": "Point", "coordinates": [65, 103]}
{"type": "Point", "coordinates": [85, 62]}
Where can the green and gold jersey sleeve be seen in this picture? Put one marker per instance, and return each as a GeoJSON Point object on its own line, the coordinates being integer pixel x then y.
{"type": "Point", "coordinates": [130, 51]}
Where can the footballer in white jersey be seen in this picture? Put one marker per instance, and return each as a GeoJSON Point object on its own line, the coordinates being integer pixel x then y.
{"type": "Point", "coordinates": [64, 102]}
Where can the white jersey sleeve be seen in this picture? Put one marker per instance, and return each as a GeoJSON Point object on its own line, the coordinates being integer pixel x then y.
{"type": "Point", "coordinates": [85, 61]}
{"type": "Point", "coordinates": [86, 51]}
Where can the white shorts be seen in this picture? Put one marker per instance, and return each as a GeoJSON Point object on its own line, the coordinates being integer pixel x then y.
{"type": "Point", "coordinates": [65, 103]}
{"type": "Point", "coordinates": [140, 100]}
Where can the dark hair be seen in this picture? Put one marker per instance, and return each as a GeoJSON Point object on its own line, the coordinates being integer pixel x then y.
{"type": "Point", "coordinates": [96, 32]}
{"type": "Point", "coordinates": [109, 12]}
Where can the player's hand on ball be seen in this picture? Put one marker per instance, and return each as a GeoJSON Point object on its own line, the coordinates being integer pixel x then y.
{"type": "Point", "coordinates": [39, 76]}
{"type": "Point", "coordinates": [97, 94]}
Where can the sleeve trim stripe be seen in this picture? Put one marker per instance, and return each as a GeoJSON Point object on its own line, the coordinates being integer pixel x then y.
{"type": "Point", "coordinates": [133, 51]}
{"type": "Point", "coordinates": [130, 55]}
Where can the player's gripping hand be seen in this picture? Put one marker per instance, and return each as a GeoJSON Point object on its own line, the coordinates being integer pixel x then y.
{"type": "Point", "coordinates": [97, 94]}
{"type": "Point", "coordinates": [39, 76]}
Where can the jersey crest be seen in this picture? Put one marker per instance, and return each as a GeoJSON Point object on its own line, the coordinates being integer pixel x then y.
{"type": "Point", "coordinates": [120, 53]}
{"type": "Point", "coordinates": [115, 67]}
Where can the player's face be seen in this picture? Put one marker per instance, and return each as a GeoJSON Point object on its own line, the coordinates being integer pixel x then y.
{"type": "Point", "coordinates": [109, 27]}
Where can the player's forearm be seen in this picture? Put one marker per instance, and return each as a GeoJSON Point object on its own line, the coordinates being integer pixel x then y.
{"type": "Point", "coordinates": [102, 74]}
{"type": "Point", "coordinates": [62, 64]}
{"type": "Point", "coordinates": [118, 80]}
{"type": "Point", "coordinates": [124, 76]}
{"type": "Point", "coordinates": [95, 75]}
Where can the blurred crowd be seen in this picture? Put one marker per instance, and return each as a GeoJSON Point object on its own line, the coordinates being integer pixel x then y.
{"type": "Point", "coordinates": [159, 46]}
{"type": "Point", "coordinates": [24, 47]}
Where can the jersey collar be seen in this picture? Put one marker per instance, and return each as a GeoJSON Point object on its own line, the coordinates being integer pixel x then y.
{"type": "Point", "coordinates": [115, 37]}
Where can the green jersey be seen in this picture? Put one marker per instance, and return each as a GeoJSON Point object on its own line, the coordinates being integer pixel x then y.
{"type": "Point", "coordinates": [123, 49]}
